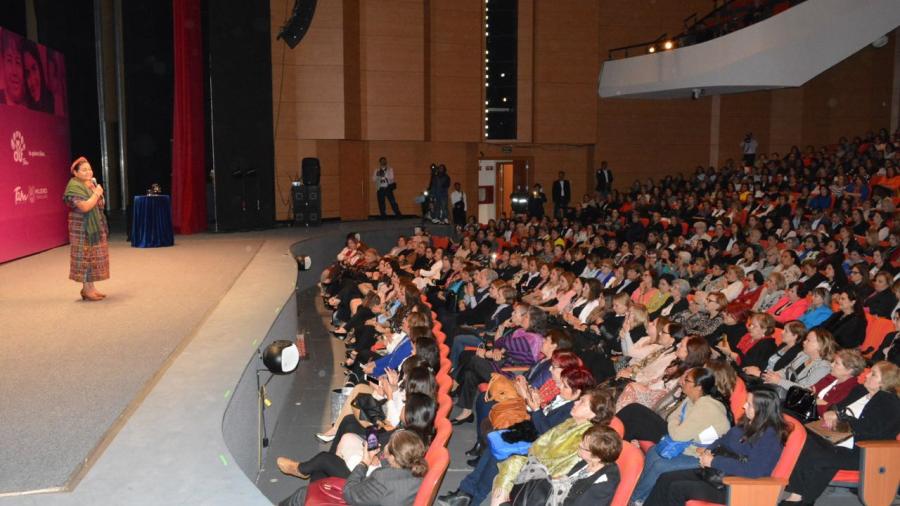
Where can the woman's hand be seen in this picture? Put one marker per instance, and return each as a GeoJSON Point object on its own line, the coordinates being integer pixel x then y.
{"type": "Point", "coordinates": [521, 387]}
{"type": "Point", "coordinates": [625, 373]}
{"type": "Point", "coordinates": [98, 190]}
{"type": "Point", "coordinates": [752, 370]}
{"type": "Point", "coordinates": [369, 456]}
{"type": "Point", "coordinates": [368, 368]}
{"type": "Point", "coordinates": [829, 419]}
{"type": "Point", "coordinates": [384, 388]}
{"type": "Point", "coordinates": [771, 377]}
{"type": "Point", "coordinates": [533, 399]}
{"type": "Point", "coordinates": [706, 458]}
{"type": "Point", "coordinates": [392, 377]}
{"type": "Point", "coordinates": [480, 352]}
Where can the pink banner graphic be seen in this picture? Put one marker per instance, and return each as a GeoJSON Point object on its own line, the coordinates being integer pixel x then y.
{"type": "Point", "coordinates": [34, 148]}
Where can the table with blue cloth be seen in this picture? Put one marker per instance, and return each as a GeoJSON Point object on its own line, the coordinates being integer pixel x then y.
{"type": "Point", "coordinates": [152, 225]}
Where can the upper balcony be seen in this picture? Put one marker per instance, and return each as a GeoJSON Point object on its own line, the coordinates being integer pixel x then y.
{"type": "Point", "coordinates": [785, 50]}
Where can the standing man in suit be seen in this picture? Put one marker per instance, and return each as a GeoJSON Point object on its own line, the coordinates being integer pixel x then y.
{"type": "Point", "coordinates": [562, 194]}
{"type": "Point", "coordinates": [604, 179]}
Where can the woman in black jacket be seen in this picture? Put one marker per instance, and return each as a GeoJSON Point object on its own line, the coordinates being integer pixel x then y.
{"type": "Point", "coordinates": [882, 301]}
{"type": "Point", "coordinates": [871, 417]}
{"type": "Point", "coordinates": [848, 323]}
{"type": "Point", "coordinates": [593, 480]}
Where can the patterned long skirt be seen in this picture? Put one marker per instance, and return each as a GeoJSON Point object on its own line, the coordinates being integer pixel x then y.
{"type": "Point", "coordinates": [88, 262]}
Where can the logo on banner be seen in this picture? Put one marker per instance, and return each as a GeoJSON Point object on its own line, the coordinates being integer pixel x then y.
{"type": "Point", "coordinates": [31, 195]}
{"type": "Point", "coordinates": [17, 143]}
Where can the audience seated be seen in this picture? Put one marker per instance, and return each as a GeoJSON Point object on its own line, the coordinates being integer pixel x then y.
{"type": "Point", "coordinates": [671, 296]}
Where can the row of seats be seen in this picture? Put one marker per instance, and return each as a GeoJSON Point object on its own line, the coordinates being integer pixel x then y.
{"type": "Point", "coordinates": [438, 457]}
{"type": "Point", "coordinates": [327, 492]}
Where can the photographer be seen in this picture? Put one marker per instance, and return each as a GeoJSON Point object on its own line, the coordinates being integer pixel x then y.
{"type": "Point", "coordinates": [438, 190]}
{"type": "Point", "coordinates": [536, 201]}
{"type": "Point", "coordinates": [384, 178]}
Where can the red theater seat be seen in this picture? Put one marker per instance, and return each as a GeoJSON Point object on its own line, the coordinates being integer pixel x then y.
{"type": "Point", "coordinates": [751, 491]}
{"type": "Point", "coordinates": [438, 459]}
{"type": "Point", "coordinates": [631, 463]}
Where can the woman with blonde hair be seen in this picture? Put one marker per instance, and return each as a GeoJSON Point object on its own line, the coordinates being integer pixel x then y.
{"type": "Point", "coordinates": [809, 366]}
{"type": "Point", "coordinates": [755, 348]}
{"type": "Point", "coordinates": [871, 417]}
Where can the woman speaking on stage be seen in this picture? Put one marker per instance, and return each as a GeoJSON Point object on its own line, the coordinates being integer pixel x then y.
{"type": "Point", "coordinates": [89, 254]}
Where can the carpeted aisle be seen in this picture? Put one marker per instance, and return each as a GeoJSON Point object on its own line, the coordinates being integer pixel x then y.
{"type": "Point", "coordinates": [58, 354]}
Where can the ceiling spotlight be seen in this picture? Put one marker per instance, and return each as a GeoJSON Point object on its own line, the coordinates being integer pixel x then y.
{"type": "Point", "coordinates": [504, 99]}
{"type": "Point", "coordinates": [668, 44]}
{"type": "Point", "coordinates": [651, 49]}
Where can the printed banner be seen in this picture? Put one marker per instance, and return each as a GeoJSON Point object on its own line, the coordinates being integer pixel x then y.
{"type": "Point", "coordinates": [34, 147]}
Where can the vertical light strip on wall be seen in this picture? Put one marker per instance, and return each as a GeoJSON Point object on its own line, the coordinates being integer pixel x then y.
{"type": "Point", "coordinates": [500, 68]}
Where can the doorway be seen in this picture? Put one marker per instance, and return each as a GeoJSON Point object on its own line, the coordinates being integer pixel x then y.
{"type": "Point", "coordinates": [497, 180]}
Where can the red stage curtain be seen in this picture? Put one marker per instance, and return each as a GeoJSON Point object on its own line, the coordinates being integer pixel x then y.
{"type": "Point", "coordinates": [188, 123]}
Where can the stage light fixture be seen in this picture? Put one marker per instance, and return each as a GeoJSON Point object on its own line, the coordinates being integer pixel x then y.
{"type": "Point", "coordinates": [651, 49]}
{"type": "Point", "coordinates": [281, 357]}
{"type": "Point", "coordinates": [668, 44]}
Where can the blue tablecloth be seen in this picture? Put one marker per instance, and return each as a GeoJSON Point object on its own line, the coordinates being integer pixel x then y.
{"type": "Point", "coordinates": [152, 226]}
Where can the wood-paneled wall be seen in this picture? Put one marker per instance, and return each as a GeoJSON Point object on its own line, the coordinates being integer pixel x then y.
{"type": "Point", "coordinates": [403, 79]}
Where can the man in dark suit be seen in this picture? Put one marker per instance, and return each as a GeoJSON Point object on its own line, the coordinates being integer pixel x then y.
{"type": "Point", "coordinates": [562, 194]}
{"type": "Point", "coordinates": [604, 179]}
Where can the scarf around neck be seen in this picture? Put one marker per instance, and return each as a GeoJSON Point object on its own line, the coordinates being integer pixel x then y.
{"type": "Point", "coordinates": [76, 188]}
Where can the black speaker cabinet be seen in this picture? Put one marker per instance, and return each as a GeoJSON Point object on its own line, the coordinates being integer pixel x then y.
{"type": "Point", "coordinates": [307, 205]}
{"type": "Point", "coordinates": [309, 170]}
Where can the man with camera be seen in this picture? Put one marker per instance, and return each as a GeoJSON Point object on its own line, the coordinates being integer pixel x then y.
{"type": "Point", "coordinates": [384, 178]}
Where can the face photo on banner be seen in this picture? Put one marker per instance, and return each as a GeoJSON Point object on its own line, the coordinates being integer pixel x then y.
{"type": "Point", "coordinates": [33, 75]}
{"type": "Point", "coordinates": [34, 147]}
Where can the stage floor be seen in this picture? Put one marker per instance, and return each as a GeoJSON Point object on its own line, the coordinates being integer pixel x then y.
{"type": "Point", "coordinates": [71, 370]}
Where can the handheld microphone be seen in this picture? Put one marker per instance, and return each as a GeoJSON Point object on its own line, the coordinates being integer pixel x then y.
{"type": "Point", "coordinates": [94, 181]}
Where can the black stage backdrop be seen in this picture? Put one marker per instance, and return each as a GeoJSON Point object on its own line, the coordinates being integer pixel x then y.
{"type": "Point", "coordinates": [239, 93]}
{"type": "Point", "coordinates": [69, 27]}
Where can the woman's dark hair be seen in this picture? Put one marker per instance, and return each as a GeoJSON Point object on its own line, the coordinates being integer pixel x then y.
{"type": "Point", "coordinates": [417, 332]}
{"type": "Point", "coordinates": [676, 330]}
{"type": "Point", "coordinates": [802, 290]}
{"type": "Point", "coordinates": [595, 288]}
{"type": "Point", "coordinates": [420, 380]}
{"type": "Point", "coordinates": [603, 404]}
{"type": "Point", "coordinates": [793, 254]}
{"type": "Point", "coordinates": [371, 300]}
{"type": "Point", "coordinates": [408, 451]}
{"type": "Point", "coordinates": [706, 380]}
{"type": "Point", "coordinates": [411, 363]}
{"type": "Point", "coordinates": [758, 277]}
{"type": "Point", "coordinates": [698, 353]}
{"type": "Point", "coordinates": [767, 414]}
{"type": "Point", "coordinates": [44, 102]}
{"type": "Point", "coordinates": [537, 319]}
{"type": "Point", "coordinates": [418, 415]}
{"type": "Point", "coordinates": [561, 339]}
{"type": "Point", "coordinates": [427, 348]}
{"type": "Point", "coordinates": [853, 296]}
